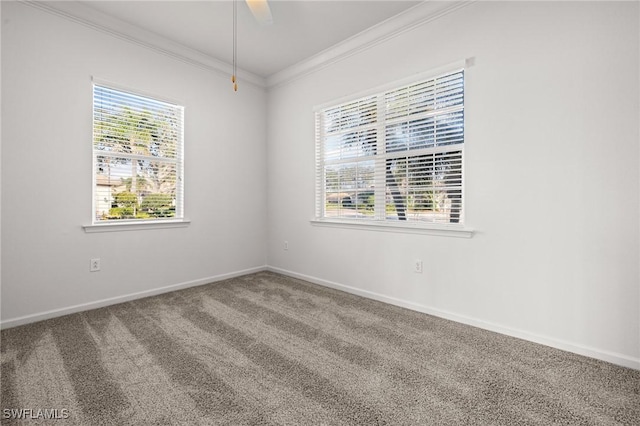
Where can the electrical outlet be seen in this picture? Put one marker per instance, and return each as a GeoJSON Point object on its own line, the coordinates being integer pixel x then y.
{"type": "Point", "coordinates": [417, 266]}
{"type": "Point", "coordinates": [94, 265]}
{"type": "Point", "coordinates": [286, 245]}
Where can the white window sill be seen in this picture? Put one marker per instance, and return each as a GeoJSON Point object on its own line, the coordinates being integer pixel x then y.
{"type": "Point", "coordinates": [136, 225]}
{"type": "Point", "coordinates": [458, 231]}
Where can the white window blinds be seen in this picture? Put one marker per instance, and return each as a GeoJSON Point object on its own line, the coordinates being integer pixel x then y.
{"type": "Point", "coordinates": [395, 155]}
{"type": "Point", "coordinates": [138, 157]}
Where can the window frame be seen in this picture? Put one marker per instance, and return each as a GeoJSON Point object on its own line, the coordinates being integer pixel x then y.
{"type": "Point", "coordinates": [179, 220]}
{"type": "Point", "coordinates": [379, 221]}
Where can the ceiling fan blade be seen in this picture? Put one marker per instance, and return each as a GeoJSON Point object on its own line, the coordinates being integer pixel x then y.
{"type": "Point", "coordinates": [261, 11]}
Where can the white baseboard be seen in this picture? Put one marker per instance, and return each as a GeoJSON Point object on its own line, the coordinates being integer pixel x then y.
{"type": "Point", "coordinates": [27, 319]}
{"type": "Point", "coordinates": [614, 358]}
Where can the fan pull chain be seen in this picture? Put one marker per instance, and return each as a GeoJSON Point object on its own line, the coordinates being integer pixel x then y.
{"type": "Point", "coordinates": [235, 45]}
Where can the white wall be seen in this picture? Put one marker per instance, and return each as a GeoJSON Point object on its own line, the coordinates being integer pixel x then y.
{"type": "Point", "coordinates": [47, 64]}
{"type": "Point", "coordinates": [552, 181]}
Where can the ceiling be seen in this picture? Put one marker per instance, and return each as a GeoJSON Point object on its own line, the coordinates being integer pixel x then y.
{"type": "Point", "coordinates": [300, 29]}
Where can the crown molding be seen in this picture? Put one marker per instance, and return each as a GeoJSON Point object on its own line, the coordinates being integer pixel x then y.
{"type": "Point", "coordinates": [408, 20]}
{"type": "Point", "coordinates": [92, 18]}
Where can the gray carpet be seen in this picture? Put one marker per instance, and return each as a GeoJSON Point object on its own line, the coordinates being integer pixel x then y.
{"type": "Point", "coordinates": [268, 349]}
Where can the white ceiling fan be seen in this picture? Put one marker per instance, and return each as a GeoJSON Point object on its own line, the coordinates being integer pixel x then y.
{"type": "Point", "coordinates": [261, 11]}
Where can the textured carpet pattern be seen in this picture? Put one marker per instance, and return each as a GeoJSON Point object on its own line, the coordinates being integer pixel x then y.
{"type": "Point", "coordinates": [268, 349]}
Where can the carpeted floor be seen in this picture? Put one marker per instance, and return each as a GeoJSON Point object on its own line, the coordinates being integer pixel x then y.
{"type": "Point", "coordinates": [268, 349]}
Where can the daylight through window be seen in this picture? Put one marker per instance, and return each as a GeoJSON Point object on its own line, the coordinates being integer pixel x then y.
{"type": "Point", "coordinates": [394, 156]}
{"type": "Point", "coordinates": [137, 154]}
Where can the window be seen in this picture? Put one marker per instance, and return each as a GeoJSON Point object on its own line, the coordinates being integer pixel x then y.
{"type": "Point", "coordinates": [137, 157]}
{"type": "Point", "coordinates": [395, 156]}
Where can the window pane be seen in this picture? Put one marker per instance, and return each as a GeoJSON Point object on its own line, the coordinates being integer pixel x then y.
{"type": "Point", "coordinates": [425, 188]}
{"type": "Point", "coordinates": [134, 189]}
{"type": "Point", "coordinates": [350, 145]}
{"type": "Point", "coordinates": [127, 123]}
{"type": "Point", "coordinates": [443, 92]}
{"type": "Point", "coordinates": [440, 130]}
{"type": "Point", "coordinates": [411, 135]}
{"type": "Point", "coordinates": [349, 190]}
{"type": "Point", "coordinates": [450, 128]}
{"type": "Point", "coordinates": [350, 115]}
